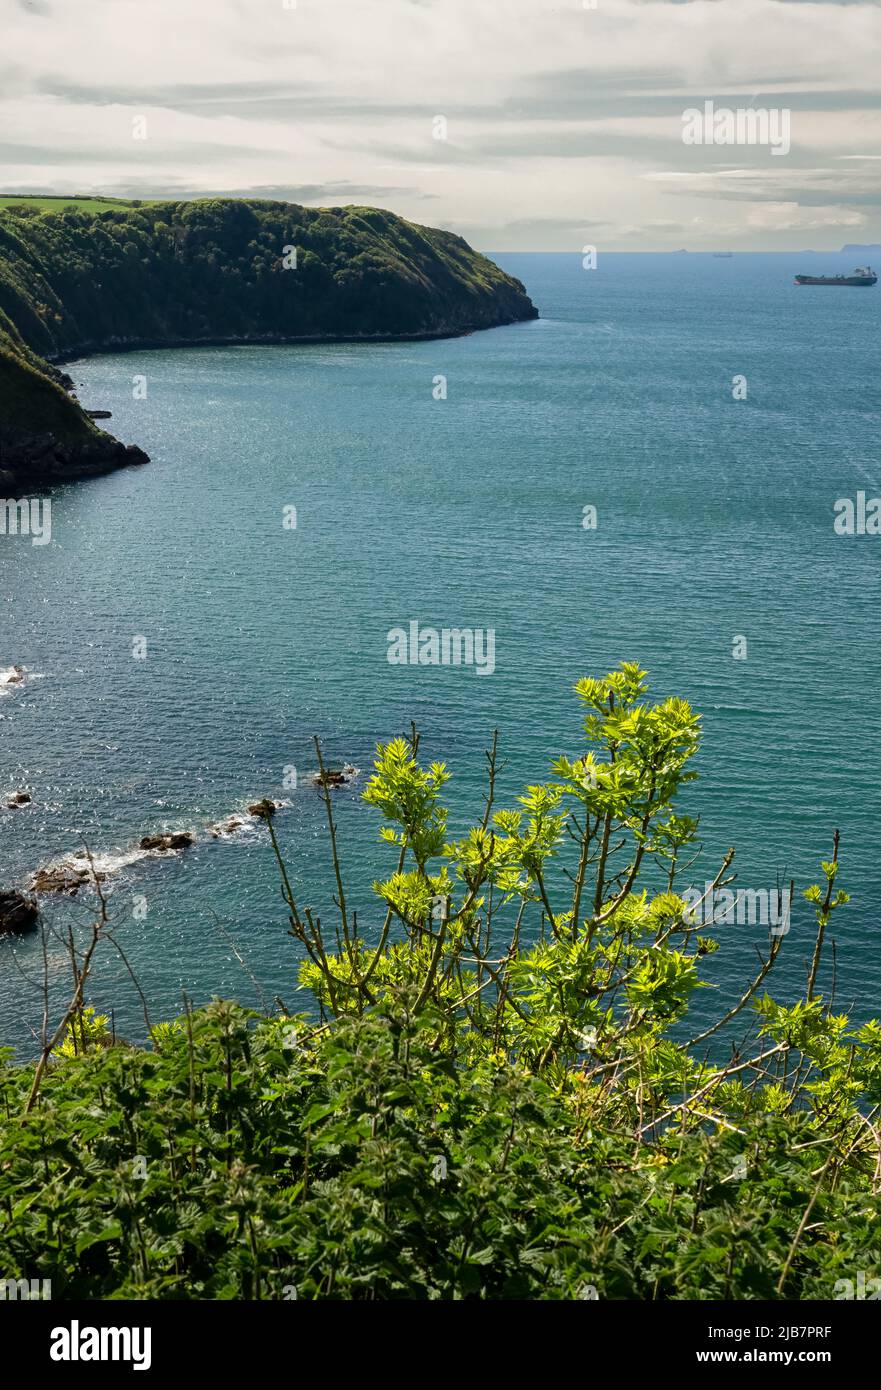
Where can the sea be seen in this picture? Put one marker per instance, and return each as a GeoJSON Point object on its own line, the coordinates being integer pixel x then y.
{"type": "Point", "coordinates": [660, 469]}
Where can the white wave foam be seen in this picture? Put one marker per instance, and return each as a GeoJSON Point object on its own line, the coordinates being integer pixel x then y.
{"type": "Point", "coordinates": [11, 676]}
{"type": "Point", "coordinates": [240, 824]}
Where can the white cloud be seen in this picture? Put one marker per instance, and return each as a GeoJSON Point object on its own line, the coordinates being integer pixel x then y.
{"type": "Point", "coordinates": [789, 217]}
{"type": "Point", "coordinates": [558, 116]}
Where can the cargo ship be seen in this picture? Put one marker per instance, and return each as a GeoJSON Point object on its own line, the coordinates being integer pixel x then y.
{"type": "Point", "coordinates": [864, 276]}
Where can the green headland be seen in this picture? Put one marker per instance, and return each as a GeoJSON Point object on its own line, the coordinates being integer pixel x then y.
{"type": "Point", "coordinates": [83, 275]}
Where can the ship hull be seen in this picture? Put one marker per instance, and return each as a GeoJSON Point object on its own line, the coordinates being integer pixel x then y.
{"type": "Point", "coordinates": [855, 281]}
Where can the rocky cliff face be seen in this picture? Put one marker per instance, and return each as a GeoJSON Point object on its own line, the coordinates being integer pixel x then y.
{"type": "Point", "coordinates": [210, 271]}
{"type": "Point", "coordinates": [28, 460]}
{"type": "Point", "coordinates": [44, 435]}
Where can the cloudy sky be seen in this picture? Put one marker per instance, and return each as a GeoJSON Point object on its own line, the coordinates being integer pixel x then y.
{"type": "Point", "coordinates": [563, 117]}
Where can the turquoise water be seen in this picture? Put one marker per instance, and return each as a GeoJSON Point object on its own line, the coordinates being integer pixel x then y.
{"type": "Point", "coordinates": [715, 520]}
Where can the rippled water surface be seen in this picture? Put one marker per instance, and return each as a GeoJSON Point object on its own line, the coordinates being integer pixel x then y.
{"type": "Point", "coordinates": [715, 522]}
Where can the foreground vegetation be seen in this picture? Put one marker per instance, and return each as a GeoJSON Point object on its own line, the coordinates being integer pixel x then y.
{"type": "Point", "coordinates": [495, 1096]}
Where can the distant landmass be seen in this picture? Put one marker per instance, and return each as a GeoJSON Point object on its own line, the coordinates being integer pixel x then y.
{"type": "Point", "coordinates": [85, 276]}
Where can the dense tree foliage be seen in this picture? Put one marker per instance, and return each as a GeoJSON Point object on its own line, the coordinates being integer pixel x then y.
{"type": "Point", "coordinates": [495, 1095]}
{"type": "Point", "coordinates": [227, 268]}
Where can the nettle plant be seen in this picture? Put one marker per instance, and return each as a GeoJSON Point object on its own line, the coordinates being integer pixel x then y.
{"type": "Point", "coordinates": [498, 1097]}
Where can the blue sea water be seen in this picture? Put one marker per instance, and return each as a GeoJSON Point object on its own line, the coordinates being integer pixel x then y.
{"type": "Point", "coordinates": [715, 522]}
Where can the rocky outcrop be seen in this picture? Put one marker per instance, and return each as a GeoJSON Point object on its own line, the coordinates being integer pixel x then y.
{"type": "Point", "coordinates": [40, 459]}
{"type": "Point", "coordinates": [179, 839]}
{"type": "Point", "coordinates": [223, 828]}
{"type": "Point", "coordinates": [60, 878]}
{"type": "Point", "coordinates": [80, 869]}
{"type": "Point", "coordinates": [17, 913]}
{"type": "Point", "coordinates": [257, 810]}
{"type": "Point", "coordinates": [335, 777]}
{"type": "Point", "coordinates": [17, 799]}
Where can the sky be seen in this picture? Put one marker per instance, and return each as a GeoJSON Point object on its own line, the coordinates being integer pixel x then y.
{"type": "Point", "coordinates": [520, 124]}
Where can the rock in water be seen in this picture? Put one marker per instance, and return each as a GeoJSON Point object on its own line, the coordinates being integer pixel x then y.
{"type": "Point", "coordinates": [264, 809]}
{"type": "Point", "coordinates": [179, 839]}
{"type": "Point", "coordinates": [17, 913]}
{"type": "Point", "coordinates": [226, 827]}
{"type": "Point", "coordinates": [61, 878]}
{"type": "Point", "coordinates": [335, 777]}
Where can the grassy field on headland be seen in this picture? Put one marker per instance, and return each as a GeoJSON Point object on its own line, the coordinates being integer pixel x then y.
{"type": "Point", "coordinates": [58, 202]}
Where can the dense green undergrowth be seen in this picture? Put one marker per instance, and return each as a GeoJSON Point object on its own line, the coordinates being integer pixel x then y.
{"type": "Point", "coordinates": [489, 1098]}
